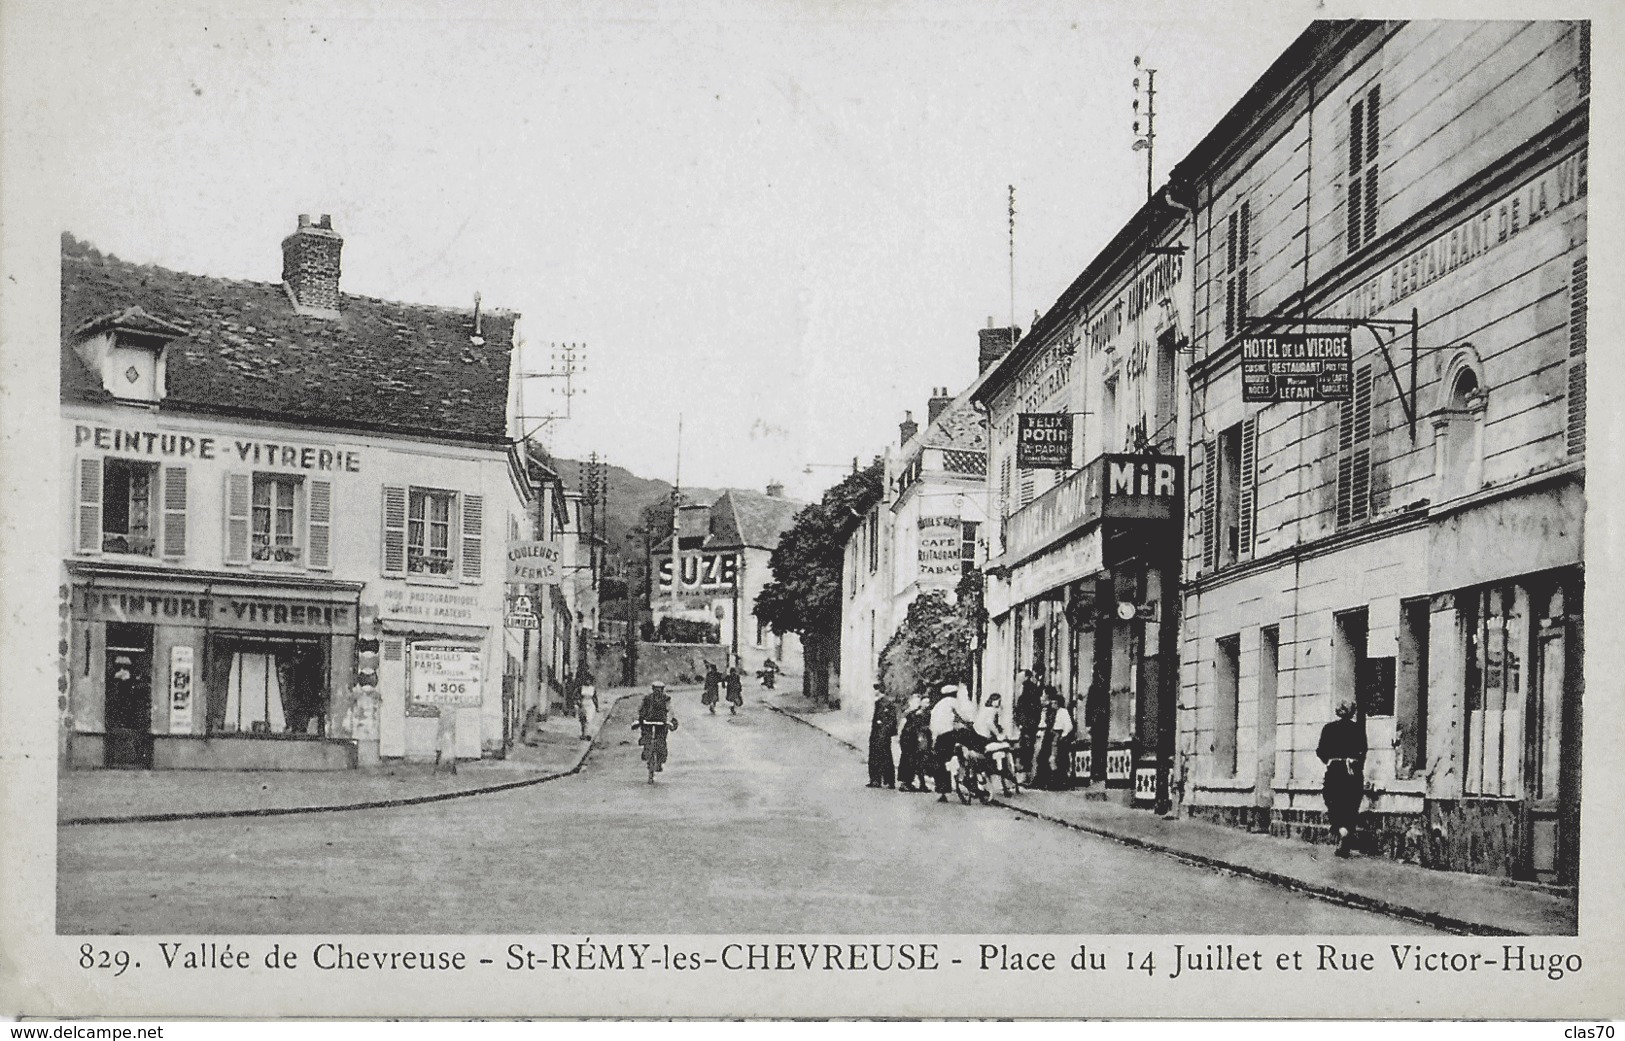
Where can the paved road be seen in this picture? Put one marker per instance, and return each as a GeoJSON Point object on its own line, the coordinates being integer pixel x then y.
{"type": "Point", "coordinates": [758, 825]}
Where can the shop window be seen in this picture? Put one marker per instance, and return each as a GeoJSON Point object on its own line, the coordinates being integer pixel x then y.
{"type": "Point", "coordinates": [1354, 452]}
{"type": "Point", "coordinates": [267, 687]}
{"type": "Point", "coordinates": [1411, 690]}
{"type": "Point", "coordinates": [1362, 196]}
{"type": "Point", "coordinates": [1226, 683]}
{"type": "Point", "coordinates": [1237, 259]}
{"type": "Point", "coordinates": [1497, 639]}
{"type": "Point", "coordinates": [433, 533]}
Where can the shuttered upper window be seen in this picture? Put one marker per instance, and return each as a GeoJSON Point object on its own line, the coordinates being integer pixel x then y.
{"type": "Point", "coordinates": [1354, 452]}
{"type": "Point", "coordinates": [1365, 135]}
{"type": "Point", "coordinates": [432, 533]}
{"type": "Point", "coordinates": [1237, 260]}
{"type": "Point", "coordinates": [278, 520]}
{"type": "Point", "coordinates": [131, 507]}
{"type": "Point", "coordinates": [1577, 359]}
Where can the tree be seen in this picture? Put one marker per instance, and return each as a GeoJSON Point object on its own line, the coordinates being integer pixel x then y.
{"type": "Point", "coordinates": [804, 595]}
{"type": "Point", "coordinates": [932, 647]}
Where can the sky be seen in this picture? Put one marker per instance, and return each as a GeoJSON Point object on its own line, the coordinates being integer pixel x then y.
{"type": "Point", "coordinates": [783, 222]}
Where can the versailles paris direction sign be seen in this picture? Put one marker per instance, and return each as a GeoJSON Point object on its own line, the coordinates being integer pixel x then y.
{"type": "Point", "coordinates": [1296, 367]}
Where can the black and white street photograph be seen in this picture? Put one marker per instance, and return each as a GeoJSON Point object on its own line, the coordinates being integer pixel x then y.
{"type": "Point", "coordinates": [826, 469]}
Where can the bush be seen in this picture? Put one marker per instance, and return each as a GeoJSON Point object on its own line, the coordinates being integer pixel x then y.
{"type": "Point", "coordinates": [932, 647]}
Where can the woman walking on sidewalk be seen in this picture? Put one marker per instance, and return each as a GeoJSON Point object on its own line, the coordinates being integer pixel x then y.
{"type": "Point", "coordinates": [1342, 748]}
{"type": "Point", "coordinates": [655, 720]}
{"type": "Point", "coordinates": [736, 694]}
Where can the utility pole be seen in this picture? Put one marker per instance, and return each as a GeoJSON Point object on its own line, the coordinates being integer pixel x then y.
{"type": "Point", "coordinates": [1149, 141]}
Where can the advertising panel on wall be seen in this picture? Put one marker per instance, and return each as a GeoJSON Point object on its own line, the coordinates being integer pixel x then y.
{"type": "Point", "coordinates": [1297, 367]}
{"type": "Point", "coordinates": [1044, 440]}
{"type": "Point", "coordinates": [444, 674]}
{"type": "Point", "coordinates": [940, 547]}
{"type": "Point", "coordinates": [703, 574]}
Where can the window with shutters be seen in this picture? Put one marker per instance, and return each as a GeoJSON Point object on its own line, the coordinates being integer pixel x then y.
{"type": "Point", "coordinates": [1227, 507]}
{"type": "Point", "coordinates": [1354, 452]}
{"type": "Point", "coordinates": [1246, 487]}
{"type": "Point", "coordinates": [129, 515]}
{"type": "Point", "coordinates": [967, 546]}
{"type": "Point", "coordinates": [1361, 198]}
{"type": "Point", "coordinates": [278, 521]}
{"type": "Point", "coordinates": [1237, 261]}
{"type": "Point", "coordinates": [1004, 488]}
{"type": "Point", "coordinates": [1577, 359]}
{"type": "Point", "coordinates": [274, 537]}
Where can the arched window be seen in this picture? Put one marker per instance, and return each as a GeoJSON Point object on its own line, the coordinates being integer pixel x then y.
{"type": "Point", "coordinates": [1458, 428]}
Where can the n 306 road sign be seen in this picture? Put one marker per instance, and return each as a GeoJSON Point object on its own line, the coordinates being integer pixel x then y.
{"type": "Point", "coordinates": [1297, 367]}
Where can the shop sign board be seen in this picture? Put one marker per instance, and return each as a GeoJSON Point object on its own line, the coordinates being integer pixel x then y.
{"type": "Point", "coordinates": [521, 620]}
{"type": "Point", "coordinates": [216, 447]}
{"type": "Point", "coordinates": [1297, 367]}
{"type": "Point", "coordinates": [1116, 486]}
{"type": "Point", "coordinates": [1044, 440]}
{"type": "Point", "coordinates": [445, 674]}
{"type": "Point", "coordinates": [1080, 558]}
{"type": "Point", "coordinates": [941, 543]}
{"type": "Point", "coordinates": [703, 574]}
{"type": "Point", "coordinates": [217, 610]}
{"type": "Point", "coordinates": [535, 561]}
{"type": "Point", "coordinates": [428, 604]}
{"type": "Point", "coordinates": [180, 690]}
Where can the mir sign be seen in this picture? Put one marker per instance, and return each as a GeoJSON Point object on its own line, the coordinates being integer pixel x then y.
{"type": "Point", "coordinates": [1296, 367]}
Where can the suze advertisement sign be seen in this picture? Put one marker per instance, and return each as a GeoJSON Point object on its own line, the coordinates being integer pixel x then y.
{"type": "Point", "coordinates": [445, 674]}
{"type": "Point", "coordinates": [702, 573]}
{"type": "Point", "coordinates": [1297, 367]}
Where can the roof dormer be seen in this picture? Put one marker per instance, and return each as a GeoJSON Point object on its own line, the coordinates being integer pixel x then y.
{"type": "Point", "coordinates": [127, 350]}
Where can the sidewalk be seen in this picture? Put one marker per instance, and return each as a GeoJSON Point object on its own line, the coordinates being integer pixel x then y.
{"type": "Point", "coordinates": [1453, 901]}
{"type": "Point", "coordinates": [113, 796]}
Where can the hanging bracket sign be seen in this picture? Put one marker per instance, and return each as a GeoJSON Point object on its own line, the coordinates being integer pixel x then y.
{"type": "Point", "coordinates": [1044, 440]}
{"type": "Point", "coordinates": [1297, 367]}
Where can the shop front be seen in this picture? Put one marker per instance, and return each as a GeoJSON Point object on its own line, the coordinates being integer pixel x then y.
{"type": "Point", "coordinates": [437, 694]}
{"type": "Point", "coordinates": [1092, 578]}
{"type": "Point", "coordinates": [174, 670]}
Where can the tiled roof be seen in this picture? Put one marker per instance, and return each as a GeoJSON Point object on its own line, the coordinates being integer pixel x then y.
{"type": "Point", "coordinates": [756, 519]}
{"type": "Point", "coordinates": [393, 367]}
{"type": "Point", "coordinates": [959, 427]}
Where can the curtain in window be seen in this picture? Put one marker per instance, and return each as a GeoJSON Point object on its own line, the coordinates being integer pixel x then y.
{"type": "Point", "coordinates": [254, 695]}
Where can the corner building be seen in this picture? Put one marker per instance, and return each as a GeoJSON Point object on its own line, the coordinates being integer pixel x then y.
{"type": "Point", "coordinates": [1417, 548]}
{"type": "Point", "coordinates": [284, 529]}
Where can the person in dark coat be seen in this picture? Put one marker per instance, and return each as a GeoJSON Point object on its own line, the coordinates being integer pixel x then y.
{"type": "Point", "coordinates": [736, 693]}
{"type": "Point", "coordinates": [1029, 705]}
{"type": "Point", "coordinates": [713, 687]}
{"type": "Point", "coordinates": [654, 721]}
{"type": "Point", "coordinates": [881, 730]}
{"type": "Point", "coordinates": [1342, 748]}
{"type": "Point", "coordinates": [1054, 727]}
{"type": "Point", "coordinates": [914, 747]}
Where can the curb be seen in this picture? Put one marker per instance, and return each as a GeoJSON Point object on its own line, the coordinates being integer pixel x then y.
{"type": "Point", "coordinates": [1329, 894]}
{"type": "Point", "coordinates": [371, 804]}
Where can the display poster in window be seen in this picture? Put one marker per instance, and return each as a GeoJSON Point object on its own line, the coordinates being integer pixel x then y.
{"type": "Point", "coordinates": [1044, 440]}
{"type": "Point", "coordinates": [1297, 367]}
{"type": "Point", "coordinates": [940, 547]}
{"type": "Point", "coordinates": [180, 690]}
{"type": "Point", "coordinates": [444, 674]}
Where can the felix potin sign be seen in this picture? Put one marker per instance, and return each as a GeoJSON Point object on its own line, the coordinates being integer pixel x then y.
{"type": "Point", "coordinates": [445, 674]}
{"type": "Point", "coordinates": [1044, 441]}
{"type": "Point", "coordinates": [1296, 367]}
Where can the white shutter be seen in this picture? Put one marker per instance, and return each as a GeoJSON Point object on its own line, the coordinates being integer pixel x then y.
{"type": "Point", "coordinates": [1210, 496]}
{"type": "Point", "coordinates": [174, 512]}
{"type": "Point", "coordinates": [90, 506]}
{"type": "Point", "coordinates": [472, 550]}
{"type": "Point", "coordinates": [319, 524]}
{"type": "Point", "coordinates": [239, 501]}
{"type": "Point", "coordinates": [394, 534]}
{"type": "Point", "coordinates": [1248, 499]}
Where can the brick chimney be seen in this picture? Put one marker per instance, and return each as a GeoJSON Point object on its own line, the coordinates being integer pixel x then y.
{"type": "Point", "coordinates": [995, 344]}
{"type": "Point", "coordinates": [908, 427]}
{"type": "Point", "coordinates": [940, 399]}
{"type": "Point", "coordinates": [310, 265]}
{"type": "Point", "coordinates": [775, 490]}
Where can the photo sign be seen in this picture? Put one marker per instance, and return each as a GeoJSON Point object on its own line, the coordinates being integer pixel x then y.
{"type": "Point", "coordinates": [1044, 441]}
{"type": "Point", "coordinates": [445, 674]}
{"type": "Point", "coordinates": [534, 561]}
{"type": "Point", "coordinates": [1297, 367]}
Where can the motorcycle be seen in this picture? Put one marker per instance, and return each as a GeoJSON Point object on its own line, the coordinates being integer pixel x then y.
{"type": "Point", "coordinates": [975, 770]}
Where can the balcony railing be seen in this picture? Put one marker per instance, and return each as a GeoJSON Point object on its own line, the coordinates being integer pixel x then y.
{"type": "Point", "coordinates": [419, 563]}
{"type": "Point", "coordinates": [141, 545]}
{"type": "Point", "coordinates": [265, 553]}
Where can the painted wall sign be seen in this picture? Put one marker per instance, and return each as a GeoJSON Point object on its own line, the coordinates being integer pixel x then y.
{"type": "Point", "coordinates": [1297, 367]}
{"type": "Point", "coordinates": [215, 611]}
{"type": "Point", "coordinates": [430, 605]}
{"type": "Point", "coordinates": [278, 454]}
{"type": "Point", "coordinates": [702, 573]}
{"type": "Point", "coordinates": [1112, 487]}
{"type": "Point", "coordinates": [180, 690]}
{"type": "Point", "coordinates": [444, 674]}
{"type": "Point", "coordinates": [1044, 440]}
{"type": "Point", "coordinates": [535, 562]}
{"type": "Point", "coordinates": [941, 540]}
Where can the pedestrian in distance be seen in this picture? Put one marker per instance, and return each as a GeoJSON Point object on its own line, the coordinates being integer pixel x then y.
{"type": "Point", "coordinates": [655, 721]}
{"type": "Point", "coordinates": [587, 702]}
{"type": "Point", "coordinates": [736, 692]}
{"type": "Point", "coordinates": [713, 688]}
{"type": "Point", "coordinates": [914, 746]}
{"type": "Point", "coordinates": [882, 728]}
{"type": "Point", "coordinates": [1342, 748]}
{"type": "Point", "coordinates": [1028, 710]}
{"type": "Point", "coordinates": [1054, 727]}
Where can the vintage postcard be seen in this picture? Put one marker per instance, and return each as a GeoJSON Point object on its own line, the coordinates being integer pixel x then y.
{"type": "Point", "coordinates": [810, 510]}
